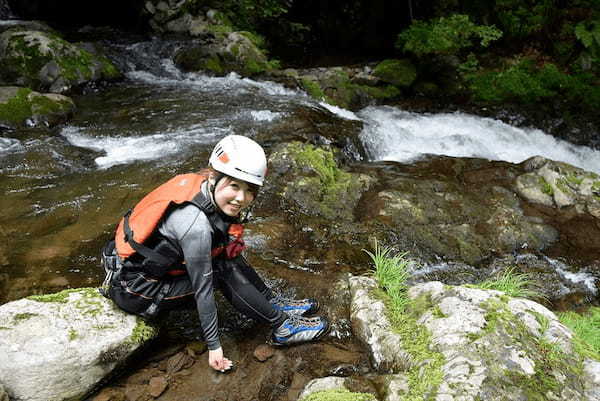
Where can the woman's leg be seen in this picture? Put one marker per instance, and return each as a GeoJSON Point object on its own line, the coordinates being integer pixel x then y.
{"type": "Point", "coordinates": [237, 287]}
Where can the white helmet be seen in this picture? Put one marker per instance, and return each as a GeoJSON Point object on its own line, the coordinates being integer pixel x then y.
{"type": "Point", "coordinates": [240, 157]}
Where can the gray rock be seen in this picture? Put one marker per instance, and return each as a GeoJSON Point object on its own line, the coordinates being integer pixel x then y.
{"type": "Point", "coordinates": [60, 346]}
{"type": "Point", "coordinates": [372, 327]}
{"type": "Point", "coordinates": [494, 347]}
{"type": "Point", "coordinates": [21, 106]}
{"type": "Point", "coordinates": [322, 384]}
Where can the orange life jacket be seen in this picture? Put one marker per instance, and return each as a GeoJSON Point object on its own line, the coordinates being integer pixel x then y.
{"type": "Point", "coordinates": [140, 224]}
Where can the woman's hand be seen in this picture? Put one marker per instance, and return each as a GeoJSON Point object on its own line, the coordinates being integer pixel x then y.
{"type": "Point", "coordinates": [217, 361]}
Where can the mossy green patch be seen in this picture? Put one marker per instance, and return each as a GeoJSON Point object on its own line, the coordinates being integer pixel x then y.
{"type": "Point", "coordinates": [546, 187]}
{"type": "Point", "coordinates": [312, 88]}
{"type": "Point", "coordinates": [73, 334]}
{"type": "Point", "coordinates": [587, 331]}
{"type": "Point", "coordinates": [142, 332]}
{"type": "Point", "coordinates": [18, 108]}
{"type": "Point", "coordinates": [396, 72]}
{"type": "Point", "coordinates": [214, 64]}
{"type": "Point", "coordinates": [19, 317]}
{"type": "Point", "coordinates": [338, 395]}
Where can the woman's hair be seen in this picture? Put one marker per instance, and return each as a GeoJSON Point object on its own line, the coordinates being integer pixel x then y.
{"type": "Point", "coordinates": [217, 175]}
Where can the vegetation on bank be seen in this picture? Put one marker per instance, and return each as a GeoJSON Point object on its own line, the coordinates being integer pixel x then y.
{"type": "Point", "coordinates": [391, 274]}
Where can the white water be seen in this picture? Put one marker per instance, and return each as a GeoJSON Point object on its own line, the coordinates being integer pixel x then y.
{"type": "Point", "coordinates": [397, 135]}
{"type": "Point", "coordinates": [121, 150]}
{"type": "Point", "coordinates": [10, 145]}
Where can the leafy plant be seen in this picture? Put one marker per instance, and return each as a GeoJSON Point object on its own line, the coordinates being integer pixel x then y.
{"type": "Point", "coordinates": [588, 33]}
{"type": "Point", "coordinates": [587, 330]}
{"type": "Point", "coordinates": [513, 284]}
{"type": "Point", "coordinates": [391, 274]}
{"type": "Point", "coordinates": [445, 35]}
{"type": "Point", "coordinates": [519, 18]}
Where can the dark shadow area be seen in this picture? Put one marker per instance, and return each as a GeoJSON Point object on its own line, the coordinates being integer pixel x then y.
{"type": "Point", "coordinates": [73, 14]}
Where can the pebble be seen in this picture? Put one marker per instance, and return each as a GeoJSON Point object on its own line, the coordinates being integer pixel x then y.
{"type": "Point", "coordinates": [157, 386]}
{"type": "Point", "coordinates": [263, 352]}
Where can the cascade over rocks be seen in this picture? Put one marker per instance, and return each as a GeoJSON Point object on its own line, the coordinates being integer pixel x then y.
{"type": "Point", "coordinates": [43, 61]}
{"type": "Point", "coordinates": [60, 346]}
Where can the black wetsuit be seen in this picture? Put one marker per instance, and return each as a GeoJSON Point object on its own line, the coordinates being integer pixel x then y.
{"type": "Point", "coordinates": [189, 229]}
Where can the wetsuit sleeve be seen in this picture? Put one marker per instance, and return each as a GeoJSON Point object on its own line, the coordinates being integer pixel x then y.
{"type": "Point", "coordinates": [191, 229]}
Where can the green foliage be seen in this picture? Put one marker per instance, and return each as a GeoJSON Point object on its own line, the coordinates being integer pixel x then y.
{"type": "Point", "coordinates": [338, 395]}
{"type": "Point", "coordinates": [524, 82]}
{"type": "Point", "coordinates": [519, 18]}
{"type": "Point", "coordinates": [512, 283]}
{"type": "Point", "coordinates": [391, 274]}
{"type": "Point", "coordinates": [248, 14]}
{"type": "Point", "coordinates": [587, 330]}
{"type": "Point", "coordinates": [445, 35]}
{"type": "Point", "coordinates": [588, 33]}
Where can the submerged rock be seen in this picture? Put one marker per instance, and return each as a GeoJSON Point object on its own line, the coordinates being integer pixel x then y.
{"type": "Point", "coordinates": [23, 107]}
{"type": "Point", "coordinates": [61, 346]}
{"type": "Point", "coordinates": [489, 346]}
{"type": "Point", "coordinates": [44, 61]}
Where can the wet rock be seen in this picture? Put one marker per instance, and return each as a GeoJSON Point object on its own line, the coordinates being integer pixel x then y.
{"type": "Point", "coordinates": [157, 386]}
{"type": "Point", "coordinates": [491, 346]}
{"type": "Point", "coordinates": [263, 352]}
{"type": "Point", "coordinates": [400, 73]}
{"type": "Point", "coordinates": [61, 345]}
{"type": "Point", "coordinates": [110, 394]}
{"type": "Point", "coordinates": [44, 61]}
{"type": "Point", "coordinates": [178, 362]}
{"type": "Point", "coordinates": [20, 107]}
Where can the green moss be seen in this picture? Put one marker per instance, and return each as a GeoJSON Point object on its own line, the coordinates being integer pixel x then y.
{"type": "Point", "coordinates": [142, 332]}
{"type": "Point", "coordinates": [312, 88]}
{"type": "Point", "coordinates": [18, 108]}
{"type": "Point", "coordinates": [380, 93]}
{"type": "Point", "coordinates": [574, 179]}
{"type": "Point", "coordinates": [546, 187]}
{"type": "Point", "coordinates": [255, 38]}
{"type": "Point", "coordinates": [19, 317]}
{"type": "Point", "coordinates": [214, 64]}
{"type": "Point", "coordinates": [338, 395]}
{"type": "Point", "coordinates": [396, 72]}
{"type": "Point", "coordinates": [587, 331]}
{"type": "Point", "coordinates": [73, 334]}
{"type": "Point", "coordinates": [63, 296]}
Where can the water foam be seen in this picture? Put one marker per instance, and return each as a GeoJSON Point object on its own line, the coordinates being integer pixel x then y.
{"type": "Point", "coordinates": [338, 111]}
{"type": "Point", "coordinates": [393, 134]}
{"type": "Point", "coordinates": [10, 145]}
{"type": "Point", "coordinates": [121, 150]}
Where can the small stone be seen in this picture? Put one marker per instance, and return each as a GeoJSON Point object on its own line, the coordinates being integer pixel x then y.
{"type": "Point", "coordinates": [157, 386]}
{"type": "Point", "coordinates": [196, 348]}
{"type": "Point", "coordinates": [263, 352]}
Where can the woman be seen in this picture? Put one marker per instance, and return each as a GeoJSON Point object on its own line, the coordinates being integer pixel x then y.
{"type": "Point", "coordinates": [184, 239]}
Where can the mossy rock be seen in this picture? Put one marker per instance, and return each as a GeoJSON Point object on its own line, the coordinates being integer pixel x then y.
{"type": "Point", "coordinates": [400, 73]}
{"type": "Point", "coordinates": [22, 106]}
{"type": "Point", "coordinates": [44, 61]}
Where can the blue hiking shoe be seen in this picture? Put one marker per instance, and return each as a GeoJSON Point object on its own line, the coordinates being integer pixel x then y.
{"type": "Point", "coordinates": [297, 329]}
{"type": "Point", "coordinates": [300, 307]}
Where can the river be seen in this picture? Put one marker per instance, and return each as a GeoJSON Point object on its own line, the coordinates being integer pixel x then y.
{"type": "Point", "coordinates": [64, 189]}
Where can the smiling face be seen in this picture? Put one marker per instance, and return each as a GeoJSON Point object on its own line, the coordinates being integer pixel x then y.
{"type": "Point", "coordinates": [231, 195]}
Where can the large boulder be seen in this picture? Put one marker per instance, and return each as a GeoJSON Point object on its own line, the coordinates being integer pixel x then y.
{"type": "Point", "coordinates": [44, 61]}
{"type": "Point", "coordinates": [468, 344]}
{"type": "Point", "coordinates": [24, 107]}
{"type": "Point", "coordinates": [61, 346]}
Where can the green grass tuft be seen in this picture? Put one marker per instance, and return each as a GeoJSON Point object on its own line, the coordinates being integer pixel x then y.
{"type": "Point", "coordinates": [338, 395]}
{"type": "Point", "coordinates": [512, 284]}
{"type": "Point", "coordinates": [587, 331]}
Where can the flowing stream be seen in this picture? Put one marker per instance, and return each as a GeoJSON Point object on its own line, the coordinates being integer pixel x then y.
{"type": "Point", "coordinates": [64, 190]}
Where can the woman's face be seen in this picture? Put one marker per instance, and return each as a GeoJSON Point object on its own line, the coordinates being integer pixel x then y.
{"type": "Point", "coordinates": [231, 196]}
